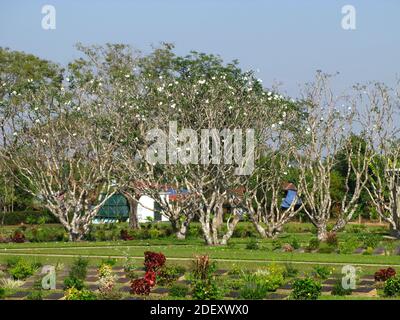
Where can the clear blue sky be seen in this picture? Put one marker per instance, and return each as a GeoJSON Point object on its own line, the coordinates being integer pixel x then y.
{"type": "Point", "coordinates": [286, 40]}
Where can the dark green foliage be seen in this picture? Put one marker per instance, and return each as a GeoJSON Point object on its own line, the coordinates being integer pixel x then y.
{"type": "Point", "coordinates": [79, 268]}
{"type": "Point", "coordinates": [206, 290]}
{"type": "Point", "coordinates": [21, 270]}
{"type": "Point", "coordinates": [306, 289]}
{"type": "Point", "coordinates": [71, 282]}
{"type": "Point", "coordinates": [290, 270]}
{"type": "Point", "coordinates": [253, 291]}
{"type": "Point", "coordinates": [168, 274]}
{"type": "Point", "coordinates": [27, 217]}
{"type": "Point", "coordinates": [178, 291]}
{"type": "Point", "coordinates": [252, 244]}
{"type": "Point", "coordinates": [338, 289]}
{"type": "Point", "coordinates": [77, 274]}
{"type": "Point", "coordinates": [369, 240]}
{"type": "Point", "coordinates": [392, 287]}
{"type": "Point", "coordinates": [294, 242]}
{"type": "Point", "coordinates": [321, 272]}
{"type": "Point", "coordinates": [313, 244]}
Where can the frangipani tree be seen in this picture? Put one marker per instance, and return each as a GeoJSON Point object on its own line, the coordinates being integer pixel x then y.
{"type": "Point", "coordinates": [329, 125]}
{"type": "Point", "coordinates": [381, 124]}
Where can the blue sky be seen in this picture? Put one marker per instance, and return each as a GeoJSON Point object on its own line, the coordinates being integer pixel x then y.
{"type": "Point", "coordinates": [287, 41]}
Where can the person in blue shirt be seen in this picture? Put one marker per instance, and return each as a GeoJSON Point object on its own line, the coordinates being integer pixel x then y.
{"type": "Point", "coordinates": [291, 195]}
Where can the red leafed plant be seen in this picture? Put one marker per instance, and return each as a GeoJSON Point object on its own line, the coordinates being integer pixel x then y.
{"type": "Point", "coordinates": [18, 237]}
{"type": "Point", "coordinates": [384, 274]}
{"type": "Point", "coordinates": [125, 235]}
{"type": "Point", "coordinates": [153, 261]}
{"type": "Point", "coordinates": [150, 277]}
{"type": "Point", "coordinates": [140, 286]}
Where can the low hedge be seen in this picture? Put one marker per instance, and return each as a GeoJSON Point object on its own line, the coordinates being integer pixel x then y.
{"type": "Point", "coordinates": [27, 217]}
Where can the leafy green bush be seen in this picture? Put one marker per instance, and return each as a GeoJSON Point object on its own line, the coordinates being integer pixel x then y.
{"type": "Point", "coordinates": [35, 295]}
{"type": "Point", "coordinates": [325, 248]}
{"type": "Point", "coordinates": [71, 282]}
{"type": "Point", "coordinates": [28, 217]}
{"type": "Point", "coordinates": [129, 268]}
{"type": "Point", "coordinates": [294, 242]}
{"type": "Point", "coordinates": [321, 272]}
{"type": "Point", "coordinates": [306, 289]}
{"type": "Point", "coordinates": [75, 294]}
{"type": "Point", "coordinates": [257, 284]}
{"type": "Point", "coordinates": [2, 293]}
{"type": "Point", "coordinates": [21, 270]}
{"type": "Point", "coordinates": [253, 290]}
{"type": "Point", "coordinates": [206, 290]}
{"type": "Point", "coordinates": [79, 268]}
{"type": "Point", "coordinates": [369, 240]}
{"type": "Point", "coordinates": [392, 287]}
{"type": "Point", "coordinates": [45, 234]}
{"type": "Point", "coordinates": [169, 274]}
{"type": "Point", "coordinates": [290, 271]}
{"type": "Point", "coordinates": [276, 244]}
{"type": "Point", "coordinates": [313, 244]}
{"type": "Point", "coordinates": [338, 289]}
{"type": "Point", "coordinates": [349, 245]}
{"type": "Point", "coordinates": [178, 290]}
{"type": "Point", "coordinates": [252, 244]}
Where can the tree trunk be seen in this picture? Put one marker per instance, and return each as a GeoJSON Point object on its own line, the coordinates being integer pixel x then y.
{"type": "Point", "coordinates": [259, 228]}
{"type": "Point", "coordinates": [231, 228]}
{"type": "Point", "coordinates": [322, 232]}
{"type": "Point", "coordinates": [133, 205]}
{"type": "Point", "coordinates": [181, 233]}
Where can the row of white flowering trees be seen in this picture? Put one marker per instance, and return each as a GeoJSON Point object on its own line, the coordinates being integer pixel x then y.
{"type": "Point", "coordinates": [118, 121]}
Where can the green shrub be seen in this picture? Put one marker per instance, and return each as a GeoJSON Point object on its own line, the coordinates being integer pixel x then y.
{"type": "Point", "coordinates": [35, 295]}
{"type": "Point", "coordinates": [321, 272]}
{"type": "Point", "coordinates": [71, 282]}
{"type": "Point", "coordinates": [79, 268]}
{"type": "Point", "coordinates": [272, 277]}
{"type": "Point", "coordinates": [28, 217]}
{"type": "Point", "coordinates": [276, 244]}
{"type": "Point", "coordinates": [109, 261]}
{"type": "Point", "coordinates": [338, 289]}
{"type": "Point", "coordinates": [306, 289]}
{"type": "Point", "coordinates": [290, 271]}
{"type": "Point", "coordinates": [252, 244]}
{"type": "Point", "coordinates": [245, 231]}
{"type": "Point", "coordinates": [21, 270]}
{"type": "Point", "coordinates": [369, 240]}
{"type": "Point", "coordinates": [45, 234]}
{"type": "Point", "coordinates": [178, 291]}
{"type": "Point", "coordinates": [11, 262]}
{"type": "Point", "coordinates": [392, 287]}
{"type": "Point", "coordinates": [313, 244]}
{"type": "Point", "coordinates": [325, 248]}
{"type": "Point", "coordinates": [253, 290]}
{"type": "Point", "coordinates": [206, 290]}
{"type": "Point", "coordinates": [129, 268]}
{"type": "Point", "coordinates": [75, 294]}
{"type": "Point", "coordinates": [349, 245]}
{"type": "Point", "coordinates": [256, 285]}
{"type": "Point", "coordinates": [2, 293]}
{"type": "Point", "coordinates": [298, 228]}
{"type": "Point", "coordinates": [294, 242]}
{"type": "Point", "coordinates": [169, 274]}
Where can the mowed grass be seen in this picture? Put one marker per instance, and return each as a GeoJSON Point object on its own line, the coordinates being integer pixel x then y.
{"type": "Point", "coordinates": [186, 250]}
